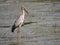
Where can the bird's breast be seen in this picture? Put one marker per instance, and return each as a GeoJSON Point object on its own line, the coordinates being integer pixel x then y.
{"type": "Point", "coordinates": [20, 21]}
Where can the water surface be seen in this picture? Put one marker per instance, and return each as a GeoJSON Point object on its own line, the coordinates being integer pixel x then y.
{"type": "Point", "coordinates": [46, 30]}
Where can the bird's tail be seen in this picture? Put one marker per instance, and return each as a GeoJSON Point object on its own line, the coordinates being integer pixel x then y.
{"type": "Point", "coordinates": [13, 28]}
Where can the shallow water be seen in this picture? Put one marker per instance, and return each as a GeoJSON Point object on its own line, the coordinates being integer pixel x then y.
{"type": "Point", "coordinates": [46, 30]}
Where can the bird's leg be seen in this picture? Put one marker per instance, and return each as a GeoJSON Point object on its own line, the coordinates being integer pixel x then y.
{"type": "Point", "coordinates": [18, 31]}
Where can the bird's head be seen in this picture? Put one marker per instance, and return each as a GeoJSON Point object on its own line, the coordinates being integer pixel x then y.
{"type": "Point", "coordinates": [23, 8]}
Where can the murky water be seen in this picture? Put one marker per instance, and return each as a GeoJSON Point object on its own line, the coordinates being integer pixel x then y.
{"type": "Point", "coordinates": [46, 30]}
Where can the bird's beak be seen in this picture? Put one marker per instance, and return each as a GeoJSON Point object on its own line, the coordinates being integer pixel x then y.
{"type": "Point", "coordinates": [26, 11]}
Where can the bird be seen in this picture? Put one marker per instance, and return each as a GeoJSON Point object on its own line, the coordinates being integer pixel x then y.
{"type": "Point", "coordinates": [20, 20]}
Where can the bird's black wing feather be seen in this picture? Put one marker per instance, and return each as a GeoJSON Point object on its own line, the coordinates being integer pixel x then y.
{"type": "Point", "coordinates": [13, 28]}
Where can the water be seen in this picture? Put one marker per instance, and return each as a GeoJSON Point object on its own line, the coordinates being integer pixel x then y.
{"type": "Point", "coordinates": [46, 30]}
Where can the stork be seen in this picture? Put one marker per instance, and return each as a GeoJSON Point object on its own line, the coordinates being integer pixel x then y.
{"type": "Point", "coordinates": [18, 23]}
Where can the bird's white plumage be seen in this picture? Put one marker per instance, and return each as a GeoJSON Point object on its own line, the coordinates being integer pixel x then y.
{"type": "Point", "coordinates": [20, 20]}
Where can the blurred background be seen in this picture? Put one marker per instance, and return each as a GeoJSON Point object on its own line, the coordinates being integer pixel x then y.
{"type": "Point", "coordinates": [46, 14]}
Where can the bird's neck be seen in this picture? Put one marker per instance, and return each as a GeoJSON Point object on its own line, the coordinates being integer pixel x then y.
{"type": "Point", "coordinates": [23, 12]}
